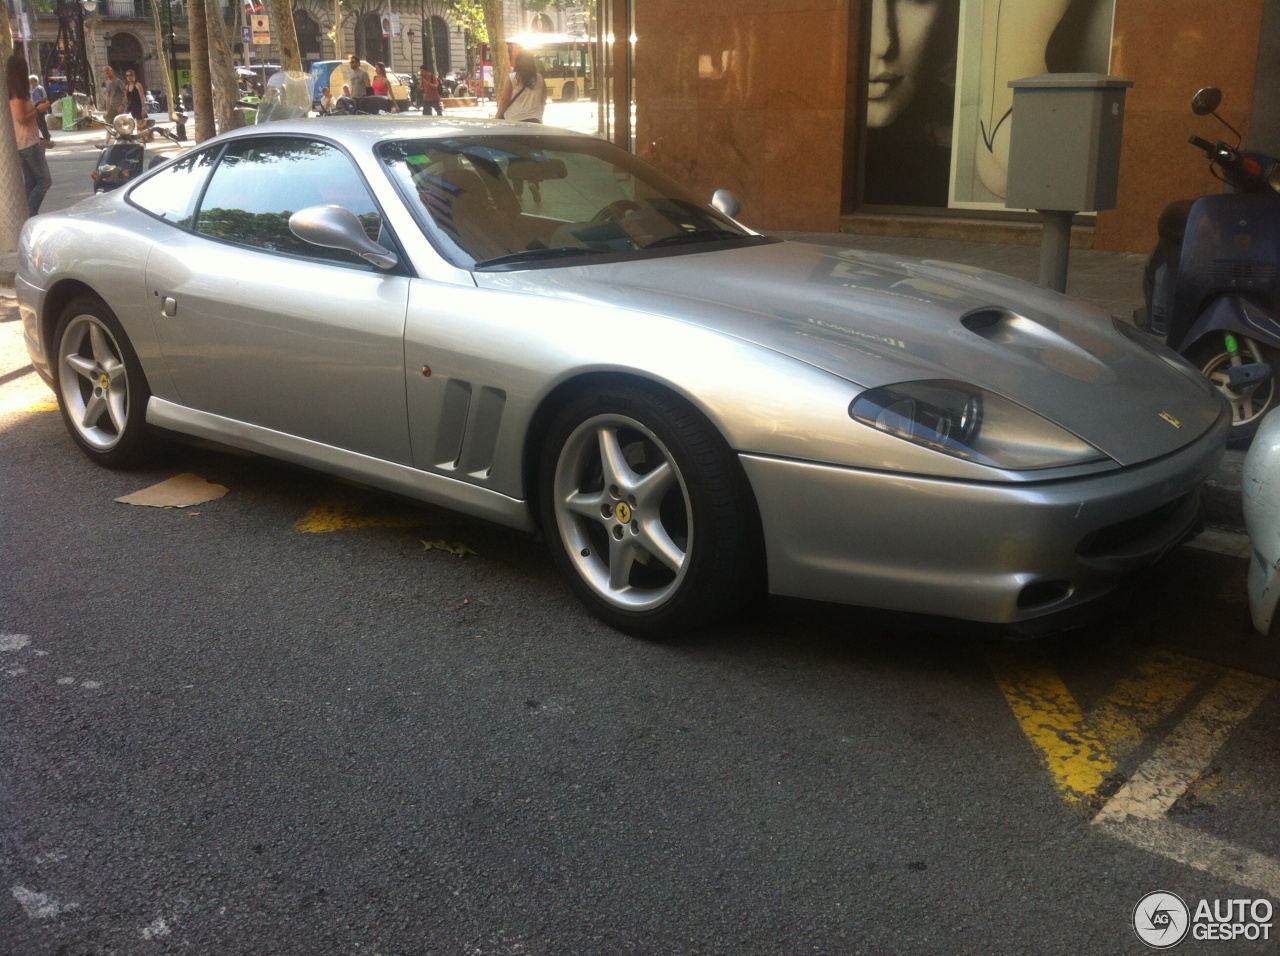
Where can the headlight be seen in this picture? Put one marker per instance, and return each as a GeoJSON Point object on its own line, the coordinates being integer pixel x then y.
{"type": "Point", "coordinates": [970, 423]}
{"type": "Point", "coordinates": [125, 124]}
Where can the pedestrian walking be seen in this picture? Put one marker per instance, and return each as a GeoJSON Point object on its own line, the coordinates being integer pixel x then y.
{"type": "Point", "coordinates": [430, 91]}
{"type": "Point", "coordinates": [135, 96]}
{"type": "Point", "coordinates": [113, 98]}
{"type": "Point", "coordinates": [35, 167]}
{"type": "Point", "coordinates": [359, 78]}
{"type": "Point", "coordinates": [524, 98]}
{"type": "Point", "coordinates": [39, 96]}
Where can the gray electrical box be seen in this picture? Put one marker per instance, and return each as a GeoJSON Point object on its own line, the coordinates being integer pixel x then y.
{"type": "Point", "coordinates": [1064, 141]}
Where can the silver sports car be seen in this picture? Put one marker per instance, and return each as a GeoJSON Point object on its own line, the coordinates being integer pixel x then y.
{"type": "Point", "coordinates": [536, 328]}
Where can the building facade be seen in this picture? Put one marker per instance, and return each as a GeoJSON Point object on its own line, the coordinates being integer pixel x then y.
{"type": "Point", "coordinates": [793, 104]}
{"type": "Point", "coordinates": [825, 115]}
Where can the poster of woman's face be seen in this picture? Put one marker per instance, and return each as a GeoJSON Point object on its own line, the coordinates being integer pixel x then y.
{"type": "Point", "coordinates": [900, 33]}
{"type": "Point", "coordinates": [938, 102]}
{"type": "Point", "coordinates": [911, 49]}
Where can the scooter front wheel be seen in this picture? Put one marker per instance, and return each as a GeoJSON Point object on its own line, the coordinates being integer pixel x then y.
{"type": "Point", "coordinates": [1248, 404]}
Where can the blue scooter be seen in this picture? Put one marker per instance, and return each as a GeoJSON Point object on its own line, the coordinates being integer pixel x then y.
{"type": "Point", "coordinates": [1212, 284]}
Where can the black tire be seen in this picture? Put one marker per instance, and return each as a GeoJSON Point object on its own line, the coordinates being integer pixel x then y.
{"type": "Point", "coordinates": [1250, 405]}
{"type": "Point", "coordinates": [102, 391]}
{"type": "Point", "coordinates": [665, 544]}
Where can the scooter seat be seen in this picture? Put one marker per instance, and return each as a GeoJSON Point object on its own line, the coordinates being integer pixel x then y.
{"type": "Point", "coordinates": [1173, 221]}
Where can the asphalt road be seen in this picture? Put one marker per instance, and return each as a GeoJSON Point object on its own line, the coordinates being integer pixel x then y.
{"type": "Point", "coordinates": [276, 722]}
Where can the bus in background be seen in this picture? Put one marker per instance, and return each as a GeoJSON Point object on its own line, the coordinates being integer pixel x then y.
{"type": "Point", "coordinates": [568, 64]}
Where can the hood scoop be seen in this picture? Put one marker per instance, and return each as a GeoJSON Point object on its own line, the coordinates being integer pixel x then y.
{"type": "Point", "coordinates": [1038, 342]}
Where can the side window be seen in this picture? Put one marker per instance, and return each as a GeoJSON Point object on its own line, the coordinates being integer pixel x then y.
{"type": "Point", "coordinates": [261, 182]}
{"type": "Point", "coordinates": [171, 194]}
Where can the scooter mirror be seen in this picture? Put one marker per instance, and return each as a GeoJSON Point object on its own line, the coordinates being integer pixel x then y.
{"type": "Point", "coordinates": [1206, 101]}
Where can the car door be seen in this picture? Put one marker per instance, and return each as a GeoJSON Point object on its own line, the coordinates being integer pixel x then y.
{"type": "Point", "coordinates": [260, 327]}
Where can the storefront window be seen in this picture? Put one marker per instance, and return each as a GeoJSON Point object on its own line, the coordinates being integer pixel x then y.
{"type": "Point", "coordinates": [937, 109]}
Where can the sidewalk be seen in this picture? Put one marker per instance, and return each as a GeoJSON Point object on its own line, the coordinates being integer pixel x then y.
{"type": "Point", "coordinates": [1112, 281]}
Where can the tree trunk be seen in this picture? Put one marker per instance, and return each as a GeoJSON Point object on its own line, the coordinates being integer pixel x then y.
{"type": "Point", "coordinates": [286, 35]}
{"type": "Point", "coordinates": [429, 36]}
{"type": "Point", "coordinates": [497, 43]}
{"type": "Point", "coordinates": [201, 86]}
{"type": "Point", "coordinates": [222, 68]}
{"type": "Point", "coordinates": [163, 49]}
{"type": "Point", "coordinates": [13, 193]}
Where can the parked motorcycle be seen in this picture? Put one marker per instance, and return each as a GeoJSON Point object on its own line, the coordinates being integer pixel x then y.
{"type": "Point", "coordinates": [1211, 284]}
{"type": "Point", "coordinates": [124, 158]}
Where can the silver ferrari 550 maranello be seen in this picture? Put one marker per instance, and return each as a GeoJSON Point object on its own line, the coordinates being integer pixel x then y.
{"type": "Point", "coordinates": [534, 327]}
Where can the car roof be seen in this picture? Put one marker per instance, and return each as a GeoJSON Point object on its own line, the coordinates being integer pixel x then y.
{"type": "Point", "coordinates": [361, 131]}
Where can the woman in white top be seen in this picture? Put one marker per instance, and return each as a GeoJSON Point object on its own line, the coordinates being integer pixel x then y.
{"type": "Point", "coordinates": [524, 94]}
{"type": "Point", "coordinates": [524, 98]}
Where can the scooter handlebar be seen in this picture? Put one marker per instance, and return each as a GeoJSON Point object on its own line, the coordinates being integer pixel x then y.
{"type": "Point", "coordinates": [1203, 144]}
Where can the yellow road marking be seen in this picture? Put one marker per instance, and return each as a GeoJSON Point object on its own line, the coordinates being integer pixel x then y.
{"type": "Point", "coordinates": [1053, 722]}
{"type": "Point", "coordinates": [344, 514]}
{"type": "Point", "coordinates": [1137, 703]}
{"type": "Point", "coordinates": [22, 403]}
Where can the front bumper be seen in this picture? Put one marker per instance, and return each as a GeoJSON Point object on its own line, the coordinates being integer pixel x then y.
{"type": "Point", "coordinates": [994, 553]}
{"type": "Point", "coordinates": [30, 307]}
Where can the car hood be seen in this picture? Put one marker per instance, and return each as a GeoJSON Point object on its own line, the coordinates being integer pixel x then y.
{"type": "Point", "coordinates": [875, 319]}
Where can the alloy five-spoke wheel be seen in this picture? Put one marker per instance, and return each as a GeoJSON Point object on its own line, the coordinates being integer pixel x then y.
{"type": "Point", "coordinates": [101, 390]}
{"type": "Point", "coordinates": [622, 509]}
{"type": "Point", "coordinates": [647, 511]}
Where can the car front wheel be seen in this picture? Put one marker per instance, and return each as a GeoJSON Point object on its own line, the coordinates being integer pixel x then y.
{"type": "Point", "coordinates": [101, 390]}
{"type": "Point", "coordinates": [646, 511]}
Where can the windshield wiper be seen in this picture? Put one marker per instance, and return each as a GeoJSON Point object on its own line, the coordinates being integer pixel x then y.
{"type": "Point", "coordinates": [534, 255]}
{"type": "Point", "coordinates": [697, 235]}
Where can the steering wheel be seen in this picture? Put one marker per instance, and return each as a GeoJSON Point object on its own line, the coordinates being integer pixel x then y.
{"type": "Point", "coordinates": [615, 210]}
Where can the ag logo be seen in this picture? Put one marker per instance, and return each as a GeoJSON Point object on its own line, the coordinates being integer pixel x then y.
{"type": "Point", "coordinates": [1161, 920]}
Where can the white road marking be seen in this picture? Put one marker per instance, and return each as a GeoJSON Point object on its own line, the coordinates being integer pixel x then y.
{"type": "Point", "coordinates": [40, 905]}
{"type": "Point", "coordinates": [1223, 542]}
{"type": "Point", "coordinates": [66, 681]}
{"type": "Point", "coordinates": [13, 642]}
{"type": "Point", "coordinates": [1136, 814]}
{"type": "Point", "coordinates": [1200, 851]}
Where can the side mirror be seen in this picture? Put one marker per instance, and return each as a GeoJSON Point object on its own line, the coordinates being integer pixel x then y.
{"type": "Point", "coordinates": [1206, 101]}
{"type": "Point", "coordinates": [727, 203]}
{"type": "Point", "coordinates": [337, 228]}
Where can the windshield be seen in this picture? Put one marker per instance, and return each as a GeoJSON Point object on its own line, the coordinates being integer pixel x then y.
{"type": "Point", "coordinates": [528, 201]}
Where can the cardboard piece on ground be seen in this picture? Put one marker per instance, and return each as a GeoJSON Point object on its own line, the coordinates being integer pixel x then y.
{"type": "Point", "coordinates": [180, 491]}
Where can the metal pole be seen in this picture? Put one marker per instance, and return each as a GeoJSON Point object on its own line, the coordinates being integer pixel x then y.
{"type": "Point", "coordinates": [28, 40]}
{"type": "Point", "coordinates": [1055, 248]}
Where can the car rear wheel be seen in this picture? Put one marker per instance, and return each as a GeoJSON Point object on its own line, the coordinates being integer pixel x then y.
{"type": "Point", "coordinates": [646, 511]}
{"type": "Point", "coordinates": [101, 390]}
{"type": "Point", "coordinates": [1250, 404]}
